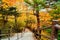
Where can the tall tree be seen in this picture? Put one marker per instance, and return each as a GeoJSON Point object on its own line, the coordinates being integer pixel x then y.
{"type": "Point", "coordinates": [12, 11]}
{"type": "Point", "coordinates": [36, 5]}
{"type": "Point", "coordinates": [4, 13]}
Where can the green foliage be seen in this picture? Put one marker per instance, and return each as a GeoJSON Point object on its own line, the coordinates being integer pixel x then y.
{"type": "Point", "coordinates": [36, 4]}
{"type": "Point", "coordinates": [55, 10]}
{"type": "Point", "coordinates": [29, 3]}
{"type": "Point", "coordinates": [56, 5]}
{"type": "Point", "coordinates": [58, 34]}
{"type": "Point", "coordinates": [12, 11]}
{"type": "Point", "coordinates": [0, 1]}
{"type": "Point", "coordinates": [3, 11]}
{"type": "Point", "coordinates": [49, 31]}
{"type": "Point", "coordinates": [55, 14]}
{"type": "Point", "coordinates": [39, 1]}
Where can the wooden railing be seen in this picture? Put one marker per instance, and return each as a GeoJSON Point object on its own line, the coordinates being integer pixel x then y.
{"type": "Point", "coordinates": [54, 33]}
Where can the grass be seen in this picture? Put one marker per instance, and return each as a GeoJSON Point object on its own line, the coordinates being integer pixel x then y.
{"type": "Point", "coordinates": [49, 31]}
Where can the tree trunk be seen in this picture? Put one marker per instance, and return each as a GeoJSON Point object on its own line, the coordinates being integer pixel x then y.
{"type": "Point", "coordinates": [3, 20]}
{"type": "Point", "coordinates": [38, 19]}
{"type": "Point", "coordinates": [27, 15]}
{"type": "Point", "coordinates": [6, 19]}
{"type": "Point", "coordinates": [38, 23]}
{"type": "Point", "coordinates": [16, 23]}
{"type": "Point", "coordinates": [16, 26]}
{"type": "Point", "coordinates": [15, 20]}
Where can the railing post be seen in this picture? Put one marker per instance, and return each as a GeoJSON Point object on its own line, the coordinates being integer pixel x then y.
{"type": "Point", "coordinates": [54, 33]}
{"type": "Point", "coordinates": [0, 34]}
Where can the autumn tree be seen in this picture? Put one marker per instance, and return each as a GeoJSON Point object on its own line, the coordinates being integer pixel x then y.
{"type": "Point", "coordinates": [36, 5]}
{"type": "Point", "coordinates": [4, 13]}
{"type": "Point", "coordinates": [13, 11]}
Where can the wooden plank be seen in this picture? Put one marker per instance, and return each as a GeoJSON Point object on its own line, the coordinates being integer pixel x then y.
{"type": "Point", "coordinates": [45, 28]}
{"type": "Point", "coordinates": [46, 36]}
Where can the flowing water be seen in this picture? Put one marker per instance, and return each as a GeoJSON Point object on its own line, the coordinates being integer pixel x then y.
{"type": "Point", "coordinates": [13, 37]}
{"type": "Point", "coordinates": [21, 36]}
{"type": "Point", "coordinates": [28, 36]}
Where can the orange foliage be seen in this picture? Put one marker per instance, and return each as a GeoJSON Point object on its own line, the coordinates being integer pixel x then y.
{"type": "Point", "coordinates": [44, 18]}
{"type": "Point", "coordinates": [9, 2]}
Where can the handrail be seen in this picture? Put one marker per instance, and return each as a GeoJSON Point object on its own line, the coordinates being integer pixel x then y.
{"type": "Point", "coordinates": [45, 28]}
{"type": "Point", "coordinates": [46, 36]}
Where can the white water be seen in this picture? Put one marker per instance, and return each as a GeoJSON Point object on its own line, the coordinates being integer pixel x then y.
{"type": "Point", "coordinates": [13, 37]}
{"type": "Point", "coordinates": [23, 36]}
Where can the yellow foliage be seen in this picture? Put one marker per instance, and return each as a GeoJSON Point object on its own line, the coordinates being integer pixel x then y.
{"type": "Point", "coordinates": [20, 0]}
{"type": "Point", "coordinates": [6, 1]}
{"type": "Point", "coordinates": [11, 18]}
{"type": "Point", "coordinates": [5, 6]}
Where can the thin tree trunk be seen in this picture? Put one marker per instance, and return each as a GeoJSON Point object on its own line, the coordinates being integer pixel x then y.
{"type": "Point", "coordinates": [15, 21]}
{"type": "Point", "coordinates": [38, 23]}
{"type": "Point", "coordinates": [38, 19]}
{"type": "Point", "coordinates": [3, 20]}
{"type": "Point", "coordinates": [16, 26]}
{"type": "Point", "coordinates": [6, 18]}
{"type": "Point", "coordinates": [27, 15]}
